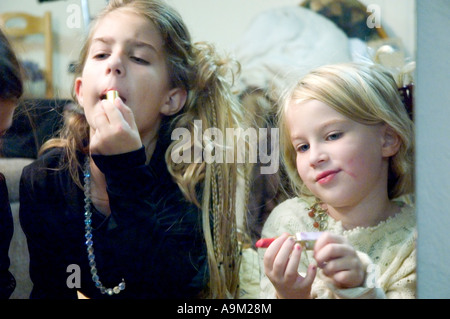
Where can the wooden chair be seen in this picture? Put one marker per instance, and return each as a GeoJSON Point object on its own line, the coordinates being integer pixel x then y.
{"type": "Point", "coordinates": [34, 25]}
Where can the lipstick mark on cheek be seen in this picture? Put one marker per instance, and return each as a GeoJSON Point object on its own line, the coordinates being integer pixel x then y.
{"type": "Point", "coordinates": [351, 174]}
{"type": "Point", "coordinates": [351, 167]}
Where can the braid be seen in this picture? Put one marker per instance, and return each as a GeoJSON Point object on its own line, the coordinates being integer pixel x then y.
{"type": "Point", "coordinates": [210, 100]}
{"type": "Point", "coordinates": [217, 202]}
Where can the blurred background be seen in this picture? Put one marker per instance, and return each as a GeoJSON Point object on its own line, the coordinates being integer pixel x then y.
{"type": "Point", "coordinates": [217, 21]}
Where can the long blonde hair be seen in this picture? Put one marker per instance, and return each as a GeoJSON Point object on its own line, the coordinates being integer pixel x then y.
{"type": "Point", "coordinates": [366, 93]}
{"type": "Point", "coordinates": [207, 78]}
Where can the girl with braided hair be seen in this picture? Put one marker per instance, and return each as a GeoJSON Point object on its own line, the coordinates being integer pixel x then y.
{"type": "Point", "coordinates": [107, 196]}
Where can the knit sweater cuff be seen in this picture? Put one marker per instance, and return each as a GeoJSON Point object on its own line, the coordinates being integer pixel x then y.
{"type": "Point", "coordinates": [369, 289]}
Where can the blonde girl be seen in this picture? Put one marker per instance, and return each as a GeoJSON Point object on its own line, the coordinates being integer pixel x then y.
{"type": "Point", "coordinates": [347, 143]}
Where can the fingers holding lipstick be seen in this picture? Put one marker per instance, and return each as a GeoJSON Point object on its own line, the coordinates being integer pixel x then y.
{"type": "Point", "coordinates": [291, 269]}
{"type": "Point", "coordinates": [125, 113]}
{"type": "Point", "coordinates": [339, 261]}
{"type": "Point", "coordinates": [281, 262]}
{"type": "Point", "coordinates": [115, 130]}
{"type": "Point", "coordinates": [277, 255]}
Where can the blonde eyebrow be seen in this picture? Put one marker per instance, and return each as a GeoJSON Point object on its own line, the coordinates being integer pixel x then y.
{"type": "Point", "coordinates": [134, 43]}
{"type": "Point", "coordinates": [141, 44]}
{"type": "Point", "coordinates": [103, 40]}
{"type": "Point", "coordinates": [332, 122]}
{"type": "Point", "coordinates": [321, 127]}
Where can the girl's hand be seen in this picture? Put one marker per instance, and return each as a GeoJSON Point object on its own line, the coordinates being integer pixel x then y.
{"type": "Point", "coordinates": [339, 261]}
{"type": "Point", "coordinates": [281, 261]}
{"type": "Point", "coordinates": [115, 129]}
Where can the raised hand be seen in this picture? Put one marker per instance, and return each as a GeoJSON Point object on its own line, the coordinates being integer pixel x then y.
{"type": "Point", "coordinates": [115, 130]}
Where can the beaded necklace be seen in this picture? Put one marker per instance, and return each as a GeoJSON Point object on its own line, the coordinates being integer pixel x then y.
{"type": "Point", "coordinates": [88, 235]}
{"type": "Point", "coordinates": [319, 215]}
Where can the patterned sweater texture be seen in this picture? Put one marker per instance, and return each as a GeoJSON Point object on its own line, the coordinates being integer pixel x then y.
{"type": "Point", "coordinates": [387, 250]}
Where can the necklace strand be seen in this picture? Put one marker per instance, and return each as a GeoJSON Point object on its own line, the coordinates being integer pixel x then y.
{"type": "Point", "coordinates": [88, 235]}
{"type": "Point", "coordinates": [319, 215]}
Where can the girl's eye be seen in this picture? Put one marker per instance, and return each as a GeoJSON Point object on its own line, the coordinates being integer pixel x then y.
{"type": "Point", "coordinates": [334, 136]}
{"type": "Point", "coordinates": [100, 56]}
{"type": "Point", "coordinates": [302, 148]}
{"type": "Point", "coordinates": [139, 60]}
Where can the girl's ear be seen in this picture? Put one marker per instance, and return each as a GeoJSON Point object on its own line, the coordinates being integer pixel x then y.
{"type": "Point", "coordinates": [391, 141]}
{"type": "Point", "coordinates": [175, 101]}
{"type": "Point", "coordinates": [78, 92]}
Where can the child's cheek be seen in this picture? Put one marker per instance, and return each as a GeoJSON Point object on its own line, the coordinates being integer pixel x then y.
{"type": "Point", "coordinates": [302, 168]}
{"type": "Point", "coordinates": [352, 167]}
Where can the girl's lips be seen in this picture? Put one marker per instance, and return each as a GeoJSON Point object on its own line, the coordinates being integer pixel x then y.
{"type": "Point", "coordinates": [103, 95]}
{"type": "Point", "coordinates": [325, 177]}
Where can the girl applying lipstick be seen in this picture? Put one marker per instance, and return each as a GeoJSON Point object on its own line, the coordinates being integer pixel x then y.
{"type": "Point", "coordinates": [108, 179]}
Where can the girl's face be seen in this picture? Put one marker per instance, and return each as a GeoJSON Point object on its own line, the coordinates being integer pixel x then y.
{"type": "Point", "coordinates": [341, 161]}
{"type": "Point", "coordinates": [7, 108]}
{"type": "Point", "coordinates": [126, 54]}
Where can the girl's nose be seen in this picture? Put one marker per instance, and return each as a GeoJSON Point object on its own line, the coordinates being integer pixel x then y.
{"type": "Point", "coordinates": [115, 66]}
{"type": "Point", "coordinates": [317, 156]}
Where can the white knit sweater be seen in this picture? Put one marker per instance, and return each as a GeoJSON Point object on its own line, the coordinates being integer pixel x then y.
{"type": "Point", "coordinates": [387, 250]}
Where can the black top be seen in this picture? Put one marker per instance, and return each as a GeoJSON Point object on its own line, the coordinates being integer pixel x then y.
{"type": "Point", "coordinates": [152, 238]}
{"type": "Point", "coordinates": [35, 121]}
{"type": "Point", "coordinates": [7, 282]}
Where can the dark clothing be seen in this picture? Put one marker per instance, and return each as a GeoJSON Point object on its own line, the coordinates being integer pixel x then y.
{"type": "Point", "coordinates": [35, 121]}
{"type": "Point", "coordinates": [152, 239]}
{"type": "Point", "coordinates": [7, 281]}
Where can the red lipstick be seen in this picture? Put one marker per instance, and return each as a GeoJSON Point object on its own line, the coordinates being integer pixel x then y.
{"type": "Point", "coordinates": [326, 176]}
{"type": "Point", "coordinates": [306, 239]}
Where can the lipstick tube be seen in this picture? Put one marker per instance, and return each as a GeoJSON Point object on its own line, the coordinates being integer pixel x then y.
{"type": "Point", "coordinates": [111, 95]}
{"type": "Point", "coordinates": [305, 239]}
